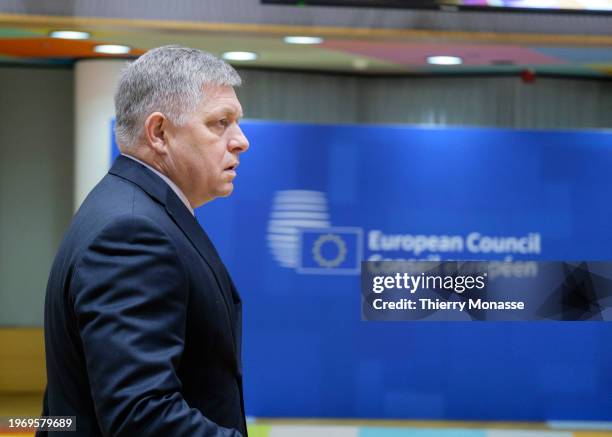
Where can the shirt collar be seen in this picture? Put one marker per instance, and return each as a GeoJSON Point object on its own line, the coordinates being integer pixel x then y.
{"type": "Point", "coordinates": [167, 180]}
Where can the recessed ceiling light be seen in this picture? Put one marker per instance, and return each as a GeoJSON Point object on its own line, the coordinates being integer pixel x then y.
{"type": "Point", "coordinates": [444, 60]}
{"type": "Point", "coordinates": [112, 49]}
{"type": "Point", "coordinates": [360, 64]}
{"type": "Point", "coordinates": [239, 56]}
{"type": "Point", "coordinates": [69, 34]}
{"type": "Point", "coordinates": [303, 40]}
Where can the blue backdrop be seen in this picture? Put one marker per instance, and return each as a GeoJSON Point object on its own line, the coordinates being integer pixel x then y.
{"type": "Point", "coordinates": [306, 352]}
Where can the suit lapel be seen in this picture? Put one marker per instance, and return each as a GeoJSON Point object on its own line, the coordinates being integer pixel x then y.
{"type": "Point", "coordinates": [192, 229]}
{"type": "Point", "coordinates": [153, 185]}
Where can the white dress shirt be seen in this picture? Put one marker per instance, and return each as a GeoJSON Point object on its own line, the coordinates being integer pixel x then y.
{"type": "Point", "coordinates": [167, 180]}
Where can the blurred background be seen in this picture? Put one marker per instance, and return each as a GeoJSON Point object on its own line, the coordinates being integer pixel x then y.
{"type": "Point", "coordinates": [400, 117]}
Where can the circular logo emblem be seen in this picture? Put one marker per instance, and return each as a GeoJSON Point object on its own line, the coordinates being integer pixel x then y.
{"type": "Point", "coordinates": [325, 244]}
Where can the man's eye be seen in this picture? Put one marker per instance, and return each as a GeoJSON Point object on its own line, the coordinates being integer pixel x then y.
{"type": "Point", "coordinates": [224, 122]}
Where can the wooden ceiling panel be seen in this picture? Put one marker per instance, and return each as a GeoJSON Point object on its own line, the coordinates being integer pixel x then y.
{"type": "Point", "coordinates": [45, 47]}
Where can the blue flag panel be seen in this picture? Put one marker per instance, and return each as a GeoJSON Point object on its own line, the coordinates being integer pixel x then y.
{"type": "Point", "coordinates": [312, 201]}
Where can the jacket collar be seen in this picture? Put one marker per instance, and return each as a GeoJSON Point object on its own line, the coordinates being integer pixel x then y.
{"type": "Point", "coordinates": [137, 173]}
{"type": "Point", "coordinates": [167, 180]}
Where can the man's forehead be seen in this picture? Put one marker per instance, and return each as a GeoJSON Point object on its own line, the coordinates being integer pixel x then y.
{"type": "Point", "coordinates": [221, 99]}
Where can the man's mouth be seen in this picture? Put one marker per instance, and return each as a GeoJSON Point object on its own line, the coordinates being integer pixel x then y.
{"type": "Point", "coordinates": [232, 167]}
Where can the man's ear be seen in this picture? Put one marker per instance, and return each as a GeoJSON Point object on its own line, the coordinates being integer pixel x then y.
{"type": "Point", "coordinates": [155, 132]}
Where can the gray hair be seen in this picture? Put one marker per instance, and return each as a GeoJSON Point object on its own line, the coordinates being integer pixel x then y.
{"type": "Point", "coordinates": [168, 79]}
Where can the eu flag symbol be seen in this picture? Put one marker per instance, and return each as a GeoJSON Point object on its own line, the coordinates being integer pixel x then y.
{"type": "Point", "coordinates": [330, 250]}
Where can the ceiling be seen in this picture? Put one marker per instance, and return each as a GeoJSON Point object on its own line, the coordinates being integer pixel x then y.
{"type": "Point", "coordinates": [364, 50]}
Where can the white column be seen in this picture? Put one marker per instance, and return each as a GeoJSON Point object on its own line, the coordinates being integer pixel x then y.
{"type": "Point", "coordinates": [95, 84]}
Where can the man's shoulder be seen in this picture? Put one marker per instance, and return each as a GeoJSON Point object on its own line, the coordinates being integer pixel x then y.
{"type": "Point", "coordinates": [114, 195]}
{"type": "Point", "coordinates": [116, 219]}
{"type": "Point", "coordinates": [114, 202]}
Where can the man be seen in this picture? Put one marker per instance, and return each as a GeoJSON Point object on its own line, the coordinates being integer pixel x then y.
{"type": "Point", "coordinates": [142, 321]}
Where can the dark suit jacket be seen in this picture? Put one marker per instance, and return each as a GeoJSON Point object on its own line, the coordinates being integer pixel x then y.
{"type": "Point", "coordinates": [142, 321]}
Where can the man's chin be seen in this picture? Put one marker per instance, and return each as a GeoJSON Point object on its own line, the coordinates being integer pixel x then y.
{"type": "Point", "coordinates": [227, 190]}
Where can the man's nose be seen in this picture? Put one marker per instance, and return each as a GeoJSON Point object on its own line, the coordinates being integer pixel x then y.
{"type": "Point", "coordinates": [239, 142]}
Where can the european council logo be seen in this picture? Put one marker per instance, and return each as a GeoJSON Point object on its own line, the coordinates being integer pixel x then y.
{"type": "Point", "coordinates": [330, 250]}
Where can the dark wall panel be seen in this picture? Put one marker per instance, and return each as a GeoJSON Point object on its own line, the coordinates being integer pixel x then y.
{"type": "Point", "coordinates": [36, 130]}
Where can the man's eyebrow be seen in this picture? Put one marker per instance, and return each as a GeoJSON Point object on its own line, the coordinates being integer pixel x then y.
{"type": "Point", "coordinates": [228, 110]}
